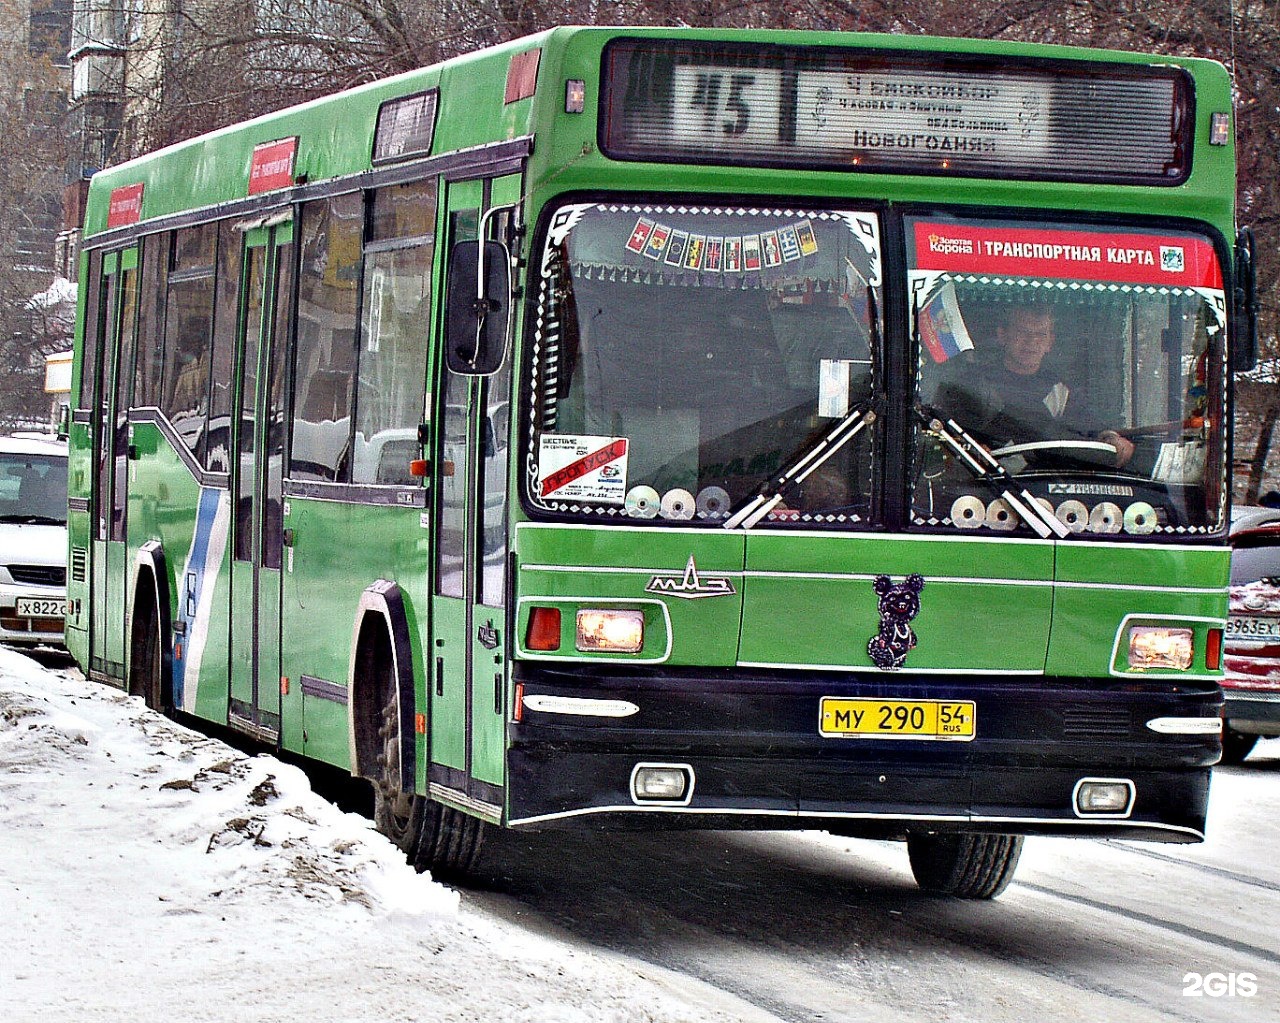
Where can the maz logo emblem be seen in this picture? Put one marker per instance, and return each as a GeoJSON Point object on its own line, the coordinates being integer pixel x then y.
{"type": "Point", "coordinates": [690, 584]}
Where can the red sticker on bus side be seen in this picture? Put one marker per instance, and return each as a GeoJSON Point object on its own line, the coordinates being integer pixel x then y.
{"type": "Point", "coordinates": [272, 165]}
{"type": "Point", "coordinates": [125, 205]}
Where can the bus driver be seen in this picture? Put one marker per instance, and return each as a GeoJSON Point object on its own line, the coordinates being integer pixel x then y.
{"type": "Point", "coordinates": [1014, 395]}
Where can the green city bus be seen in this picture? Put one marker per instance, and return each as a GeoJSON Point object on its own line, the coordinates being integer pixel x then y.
{"type": "Point", "coordinates": [684, 428]}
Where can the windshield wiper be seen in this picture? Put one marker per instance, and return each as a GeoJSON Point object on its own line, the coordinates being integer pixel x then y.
{"type": "Point", "coordinates": [33, 520]}
{"type": "Point", "coordinates": [801, 466]}
{"type": "Point", "coordinates": [985, 466]}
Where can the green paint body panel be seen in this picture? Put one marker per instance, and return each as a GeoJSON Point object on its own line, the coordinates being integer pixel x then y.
{"type": "Point", "coordinates": [320, 594]}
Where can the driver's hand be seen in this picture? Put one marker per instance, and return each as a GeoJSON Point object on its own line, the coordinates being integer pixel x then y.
{"type": "Point", "coordinates": [1123, 445]}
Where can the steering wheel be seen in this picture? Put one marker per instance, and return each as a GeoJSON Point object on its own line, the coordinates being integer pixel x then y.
{"type": "Point", "coordinates": [1090, 446]}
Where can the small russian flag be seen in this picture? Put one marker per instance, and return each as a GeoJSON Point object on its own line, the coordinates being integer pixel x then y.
{"type": "Point", "coordinates": [942, 328]}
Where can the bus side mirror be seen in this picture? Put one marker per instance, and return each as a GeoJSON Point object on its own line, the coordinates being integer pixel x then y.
{"type": "Point", "coordinates": [477, 309]}
{"type": "Point", "coordinates": [1244, 312]}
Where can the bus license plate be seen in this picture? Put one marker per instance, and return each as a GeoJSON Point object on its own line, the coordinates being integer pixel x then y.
{"type": "Point", "coordinates": [953, 720]}
{"type": "Point", "coordinates": [40, 607]}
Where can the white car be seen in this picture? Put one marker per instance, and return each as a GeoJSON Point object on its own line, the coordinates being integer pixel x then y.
{"type": "Point", "coordinates": [33, 541]}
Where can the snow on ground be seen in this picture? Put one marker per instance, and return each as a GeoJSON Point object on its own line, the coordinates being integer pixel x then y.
{"type": "Point", "coordinates": [151, 873]}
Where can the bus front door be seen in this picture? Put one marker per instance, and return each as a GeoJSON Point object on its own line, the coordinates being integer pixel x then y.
{"type": "Point", "coordinates": [260, 425]}
{"type": "Point", "coordinates": [469, 669]}
{"type": "Point", "coordinates": [116, 329]}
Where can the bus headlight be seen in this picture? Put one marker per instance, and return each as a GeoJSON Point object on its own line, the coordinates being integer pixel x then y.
{"type": "Point", "coordinates": [611, 631]}
{"type": "Point", "coordinates": [1160, 647]}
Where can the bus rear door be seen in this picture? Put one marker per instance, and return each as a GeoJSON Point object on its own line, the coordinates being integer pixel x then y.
{"type": "Point", "coordinates": [260, 424]}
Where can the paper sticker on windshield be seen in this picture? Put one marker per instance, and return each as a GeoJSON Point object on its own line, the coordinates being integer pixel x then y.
{"type": "Point", "coordinates": [640, 236]}
{"type": "Point", "coordinates": [715, 255]}
{"type": "Point", "coordinates": [676, 249]}
{"type": "Point", "coordinates": [833, 387]}
{"type": "Point", "coordinates": [808, 240]}
{"type": "Point", "coordinates": [574, 468]}
{"type": "Point", "coordinates": [657, 241]}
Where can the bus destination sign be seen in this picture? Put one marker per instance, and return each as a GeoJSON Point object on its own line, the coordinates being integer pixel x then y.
{"type": "Point", "coordinates": [903, 113]}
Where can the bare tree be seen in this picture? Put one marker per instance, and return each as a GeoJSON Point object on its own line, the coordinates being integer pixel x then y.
{"type": "Point", "coordinates": [32, 155]}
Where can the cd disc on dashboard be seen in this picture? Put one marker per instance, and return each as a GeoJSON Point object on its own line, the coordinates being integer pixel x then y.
{"type": "Point", "coordinates": [1000, 515]}
{"type": "Point", "coordinates": [968, 512]}
{"type": "Point", "coordinates": [1073, 514]}
{"type": "Point", "coordinates": [642, 502]}
{"type": "Point", "coordinates": [712, 503]}
{"type": "Point", "coordinates": [1106, 518]}
{"type": "Point", "coordinates": [678, 504]}
{"type": "Point", "coordinates": [1140, 518]}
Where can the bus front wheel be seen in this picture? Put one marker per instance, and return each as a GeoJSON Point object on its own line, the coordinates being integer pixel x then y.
{"type": "Point", "coordinates": [964, 865]}
{"type": "Point", "coordinates": [396, 813]}
{"type": "Point", "coordinates": [432, 836]}
{"type": "Point", "coordinates": [1236, 746]}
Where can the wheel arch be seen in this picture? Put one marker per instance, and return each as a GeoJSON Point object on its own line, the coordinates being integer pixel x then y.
{"type": "Point", "coordinates": [150, 571]}
{"type": "Point", "coordinates": [380, 640]}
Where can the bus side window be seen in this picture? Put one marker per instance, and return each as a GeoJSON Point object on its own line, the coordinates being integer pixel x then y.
{"type": "Point", "coordinates": [226, 310]}
{"type": "Point", "coordinates": [394, 319]}
{"type": "Point", "coordinates": [93, 324]}
{"type": "Point", "coordinates": [324, 372]}
{"type": "Point", "coordinates": [150, 359]}
{"type": "Point", "coordinates": [184, 389]}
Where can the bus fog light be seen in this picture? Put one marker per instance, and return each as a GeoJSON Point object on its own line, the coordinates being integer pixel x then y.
{"type": "Point", "coordinates": [661, 783]}
{"type": "Point", "coordinates": [1159, 647]}
{"type": "Point", "coordinates": [1106, 797]}
{"type": "Point", "coordinates": [610, 630]}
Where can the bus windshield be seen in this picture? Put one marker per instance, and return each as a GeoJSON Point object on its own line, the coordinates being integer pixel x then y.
{"type": "Point", "coordinates": [684, 356]}
{"type": "Point", "coordinates": [1089, 363]}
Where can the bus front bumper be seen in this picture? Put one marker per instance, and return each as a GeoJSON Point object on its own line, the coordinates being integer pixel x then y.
{"type": "Point", "coordinates": [753, 756]}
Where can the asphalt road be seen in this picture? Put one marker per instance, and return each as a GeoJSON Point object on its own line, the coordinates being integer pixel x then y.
{"type": "Point", "coordinates": [810, 927]}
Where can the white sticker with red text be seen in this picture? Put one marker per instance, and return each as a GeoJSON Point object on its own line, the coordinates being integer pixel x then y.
{"type": "Point", "coordinates": [573, 468]}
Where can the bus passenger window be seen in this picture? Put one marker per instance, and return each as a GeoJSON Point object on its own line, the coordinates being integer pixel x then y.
{"type": "Point", "coordinates": [394, 317]}
{"type": "Point", "coordinates": [324, 375]}
{"type": "Point", "coordinates": [226, 310]}
{"type": "Point", "coordinates": [184, 386]}
{"type": "Point", "coordinates": [150, 358]}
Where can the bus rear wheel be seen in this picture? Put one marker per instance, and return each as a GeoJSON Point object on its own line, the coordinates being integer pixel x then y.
{"type": "Point", "coordinates": [146, 659]}
{"type": "Point", "coordinates": [964, 865]}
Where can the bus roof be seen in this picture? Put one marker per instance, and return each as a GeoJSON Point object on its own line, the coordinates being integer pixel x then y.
{"type": "Point", "coordinates": [335, 133]}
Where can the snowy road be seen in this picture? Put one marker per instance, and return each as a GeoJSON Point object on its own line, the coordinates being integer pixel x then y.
{"type": "Point", "coordinates": [811, 927]}
{"type": "Point", "coordinates": [147, 872]}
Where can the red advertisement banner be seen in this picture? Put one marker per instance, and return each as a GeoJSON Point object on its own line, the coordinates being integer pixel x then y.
{"type": "Point", "coordinates": [1124, 258]}
{"type": "Point", "coordinates": [272, 165]}
{"type": "Point", "coordinates": [125, 206]}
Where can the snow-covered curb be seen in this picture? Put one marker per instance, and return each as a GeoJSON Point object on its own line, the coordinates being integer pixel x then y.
{"type": "Point", "coordinates": [150, 872]}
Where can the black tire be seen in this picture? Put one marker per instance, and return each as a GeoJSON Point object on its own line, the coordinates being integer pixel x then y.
{"type": "Point", "coordinates": [146, 656]}
{"type": "Point", "coordinates": [451, 842]}
{"type": "Point", "coordinates": [1236, 746]}
{"type": "Point", "coordinates": [433, 837]}
{"type": "Point", "coordinates": [396, 813]}
{"type": "Point", "coordinates": [964, 865]}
